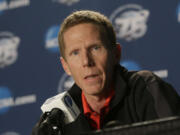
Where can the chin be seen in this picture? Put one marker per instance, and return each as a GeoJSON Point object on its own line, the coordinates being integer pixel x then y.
{"type": "Point", "coordinates": [93, 91]}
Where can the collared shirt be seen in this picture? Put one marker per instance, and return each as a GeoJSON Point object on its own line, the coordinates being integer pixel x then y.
{"type": "Point", "coordinates": [95, 119]}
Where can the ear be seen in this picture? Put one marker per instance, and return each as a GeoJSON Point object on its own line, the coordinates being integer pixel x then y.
{"type": "Point", "coordinates": [65, 66]}
{"type": "Point", "coordinates": [118, 52]}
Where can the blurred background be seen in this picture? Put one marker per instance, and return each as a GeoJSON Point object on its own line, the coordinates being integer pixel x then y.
{"type": "Point", "coordinates": [30, 70]}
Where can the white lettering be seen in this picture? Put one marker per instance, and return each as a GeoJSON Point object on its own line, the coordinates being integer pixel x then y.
{"type": "Point", "coordinates": [67, 2]}
{"type": "Point", "coordinates": [52, 43]}
{"type": "Point", "coordinates": [10, 133]}
{"type": "Point", "coordinates": [178, 17]}
{"type": "Point", "coordinates": [130, 21]}
{"type": "Point", "coordinates": [8, 51]}
{"type": "Point", "coordinates": [3, 5]}
{"type": "Point", "coordinates": [6, 102]}
{"type": "Point", "coordinates": [162, 73]}
{"type": "Point", "coordinates": [25, 100]}
{"type": "Point", "coordinates": [19, 3]}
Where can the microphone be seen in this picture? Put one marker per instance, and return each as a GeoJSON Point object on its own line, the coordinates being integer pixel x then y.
{"type": "Point", "coordinates": [64, 102]}
{"type": "Point", "coordinates": [52, 123]}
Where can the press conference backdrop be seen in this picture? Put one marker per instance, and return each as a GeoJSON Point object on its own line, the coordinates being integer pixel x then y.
{"type": "Point", "coordinates": [30, 71]}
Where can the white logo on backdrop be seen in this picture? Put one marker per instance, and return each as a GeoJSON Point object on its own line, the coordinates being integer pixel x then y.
{"type": "Point", "coordinates": [178, 13]}
{"type": "Point", "coordinates": [12, 4]}
{"type": "Point", "coordinates": [11, 101]}
{"type": "Point", "coordinates": [8, 48]}
{"type": "Point", "coordinates": [67, 2]}
{"type": "Point", "coordinates": [130, 21]}
{"type": "Point", "coordinates": [163, 73]}
{"type": "Point", "coordinates": [65, 83]}
{"type": "Point", "coordinates": [51, 39]}
{"type": "Point", "coordinates": [10, 133]}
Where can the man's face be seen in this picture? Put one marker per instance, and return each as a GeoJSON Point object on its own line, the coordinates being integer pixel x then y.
{"type": "Point", "coordinates": [87, 60]}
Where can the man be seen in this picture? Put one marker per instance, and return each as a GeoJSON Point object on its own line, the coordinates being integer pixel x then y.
{"type": "Point", "coordinates": [104, 91]}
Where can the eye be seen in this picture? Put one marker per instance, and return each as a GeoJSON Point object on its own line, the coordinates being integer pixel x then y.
{"type": "Point", "coordinates": [75, 52]}
{"type": "Point", "coordinates": [96, 47]}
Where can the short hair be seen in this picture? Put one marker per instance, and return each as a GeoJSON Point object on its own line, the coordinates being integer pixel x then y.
{"type": "Point", "coordinates": [107, 33]}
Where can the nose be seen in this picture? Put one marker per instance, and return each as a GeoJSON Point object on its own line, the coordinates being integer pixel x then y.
{"type": "Point", "coordinates": [87, 60]}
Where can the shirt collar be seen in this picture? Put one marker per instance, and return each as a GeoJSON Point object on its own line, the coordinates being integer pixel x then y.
{"type": "Point", "coordinates": [87, 109]}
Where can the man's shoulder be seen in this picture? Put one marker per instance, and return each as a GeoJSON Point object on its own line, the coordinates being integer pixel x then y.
{"type": "Point", "coordinates": [146, 75]}
{"type": "Point", "coordinates": [141, 76]}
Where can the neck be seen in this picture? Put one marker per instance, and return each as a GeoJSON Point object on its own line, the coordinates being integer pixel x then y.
{"type": "Point", "coordinates": [96, 102]}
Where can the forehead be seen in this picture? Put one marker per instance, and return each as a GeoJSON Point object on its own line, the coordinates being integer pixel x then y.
{"type": "Point", "coordinates": [84, 31]}
{"type": "Point", "coordinates": [89, 26]}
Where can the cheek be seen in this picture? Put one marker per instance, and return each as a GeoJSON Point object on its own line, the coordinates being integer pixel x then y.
{"type": "Point", "coordinates": [108, 65]}
{"type": "Point", "coordinates": [73, 64]}
{"type": "Point", "coordinates": [75, 71]}
{"type": "Point", "coordinates": [103, 66]}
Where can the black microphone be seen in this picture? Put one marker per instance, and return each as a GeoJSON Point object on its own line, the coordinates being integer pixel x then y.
{"type": "Point", "coordinates": [51, 123]}
{"type": "Point", "coordinates": [55, 118]}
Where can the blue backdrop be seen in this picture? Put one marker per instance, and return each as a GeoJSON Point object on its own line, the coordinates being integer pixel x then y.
{"type": "Point", "coordinates": [30, 71]}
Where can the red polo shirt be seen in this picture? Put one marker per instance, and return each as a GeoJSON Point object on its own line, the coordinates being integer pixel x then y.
{"type": "Point", "coordinates": [95, 119]}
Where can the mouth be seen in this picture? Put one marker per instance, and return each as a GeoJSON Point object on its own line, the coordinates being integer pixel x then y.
{"type": "Point", "coordinates": [91, 76]}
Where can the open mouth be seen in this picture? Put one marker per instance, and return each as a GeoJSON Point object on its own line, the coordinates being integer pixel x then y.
{"type": "Point", "coordinates": [91, 76]}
